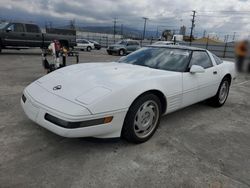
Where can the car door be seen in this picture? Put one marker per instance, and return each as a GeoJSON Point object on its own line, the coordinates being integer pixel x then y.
{"type": "Point", "coordinates": [15, 34]}
{"type": "Point", "coordinates": [189, 88]}
{"type": "Point", "coordinates": [207, 81]}
{"type": "Point", "coordinates": [33, 36]}
{"type": "Point", "coordinates": [130, 46]}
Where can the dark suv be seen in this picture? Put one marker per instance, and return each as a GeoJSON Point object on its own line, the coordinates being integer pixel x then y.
{"type": "Point", "coordinates": [123, 47]}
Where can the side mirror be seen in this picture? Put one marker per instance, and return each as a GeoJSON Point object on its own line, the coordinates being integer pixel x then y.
{"type": "Point", "coordinates": [8, 29]}
{"type": "Point", "coordinates": [197, 69]}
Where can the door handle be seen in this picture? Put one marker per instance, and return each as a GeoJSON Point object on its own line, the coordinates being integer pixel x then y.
{"type": "Point", "coordinates": [215, 72]}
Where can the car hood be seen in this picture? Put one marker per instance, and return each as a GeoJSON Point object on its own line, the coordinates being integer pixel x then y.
{"type": "Point", "coordinates": [88, 82]}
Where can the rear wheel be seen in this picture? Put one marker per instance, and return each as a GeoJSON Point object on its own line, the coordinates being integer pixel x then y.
{"type": "Point", "coordinates": [220, 98]}
{"type": "Point", "coordinates": [0, 46]}
{"type": "Point", "coordinates": [110, 53]}
{"type": "Point", "coordinates": [142, 119]}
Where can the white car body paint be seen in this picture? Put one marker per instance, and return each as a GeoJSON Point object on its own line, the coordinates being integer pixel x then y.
{"type": "Point", "coordinates": [96, 90]}
{"type": "Point", "coordinates": [83, 44]}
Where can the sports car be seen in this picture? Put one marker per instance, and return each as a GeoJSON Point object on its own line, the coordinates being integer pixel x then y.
{"type": "Point", "coordinates": [127, 98]}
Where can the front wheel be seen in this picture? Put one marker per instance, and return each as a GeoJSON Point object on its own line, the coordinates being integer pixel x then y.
{"type": "Point", "coordinates": [220, 98]}
{"type": "Point", "coordinates": [121, 52]}
{"type": "Point", "coordinates": [142, 119]}
{"type": "Point", "coordinates": [89, 48]}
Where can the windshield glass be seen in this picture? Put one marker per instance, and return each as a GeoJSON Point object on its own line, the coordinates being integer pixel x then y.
{"type": "Point", "coordinates": [3, 25]}
{"type": "Point", "coordinates": [122, 42]}
{"type": "Point", "coordinates": [160, 58]}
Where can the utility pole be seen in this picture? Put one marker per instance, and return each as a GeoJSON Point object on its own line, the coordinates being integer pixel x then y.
{"type": "Point", "coordinates": [192, 26]}
{"type": "Point", "coordinates": [115, 20]}
{"type": "Point", "coordinates": [204, 33]}
{"type": "Point", "coordinates": [144, 30]}
{"type": "Point", "coordinates": [234, 36]}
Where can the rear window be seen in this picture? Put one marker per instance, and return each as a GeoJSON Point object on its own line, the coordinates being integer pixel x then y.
{"type": "Point", "coordinates": [32, 28]}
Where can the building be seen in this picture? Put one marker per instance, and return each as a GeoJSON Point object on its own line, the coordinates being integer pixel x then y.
{"type": "Point", "coordinates": [183, 30]}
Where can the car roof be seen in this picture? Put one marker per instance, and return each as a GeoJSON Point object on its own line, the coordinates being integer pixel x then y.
{"type": "Point", "coordinates": [182, 47]}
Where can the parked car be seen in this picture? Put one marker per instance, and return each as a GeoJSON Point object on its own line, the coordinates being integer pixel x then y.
{"type": "Point", "coordinates": [127, 98]}
{"type": "Point", "coordinates": [96, 44]}
{"type": "Point", "coordinates": [17, 35]}
{"type": "Point", "coordinates": [165, 43]}
{"type": "Point", "coordinates": [123, 47]}
{"type": "Point", "coordinates": [83, 44]}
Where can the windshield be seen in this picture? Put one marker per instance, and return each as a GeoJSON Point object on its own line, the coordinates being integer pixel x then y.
{"type": "Point", "coordinates": [3, 25]}
{"type": "Point", "coordinates": [122, 42]}
{"type": "Point", "coordinates": [169, 59]}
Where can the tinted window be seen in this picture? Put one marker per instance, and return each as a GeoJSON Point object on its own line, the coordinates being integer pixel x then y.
{"type": "Point", "coordinates": [217, 60]}
{"type": "Point", "coordinates": [32, 28]}
{"type": "Point", "coordinates": [3, 25]}
{"type": "Point", "coordinates": [159, 58]}
{"type": "Point", "coordinates": [130, 43]}
{"type": "Point", "coordinates": [85, 42]}
{"type": "Point", "coordinates": [122, 42]}
{"type": "Point", "coordinates": [17, 27]}
{"type": "Point", "coordinates": [135, 43]}
{"type": "Point", "coordinates": [201, 58]}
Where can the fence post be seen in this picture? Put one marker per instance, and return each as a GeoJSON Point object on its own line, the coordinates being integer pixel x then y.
{"type": "Point", "coordinates": [207, 41]}
{"type": "Point", "coordinates": [225, 48]}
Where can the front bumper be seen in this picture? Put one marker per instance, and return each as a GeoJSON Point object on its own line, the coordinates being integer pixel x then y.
{"type": "Point", "coordinates": [37, 112]}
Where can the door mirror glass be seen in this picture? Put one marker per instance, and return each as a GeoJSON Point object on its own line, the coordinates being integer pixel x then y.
{"type": "Point", "coordinates": [197, 69]}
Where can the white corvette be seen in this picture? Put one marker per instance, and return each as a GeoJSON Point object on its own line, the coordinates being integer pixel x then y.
{"type": "Point", "coordinates": [127, 98]}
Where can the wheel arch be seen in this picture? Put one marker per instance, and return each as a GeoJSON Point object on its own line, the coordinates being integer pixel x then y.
{"type": "Point", "coordinates": [228, 75]}
{"type": "Point", "coordinates": [157, 93]}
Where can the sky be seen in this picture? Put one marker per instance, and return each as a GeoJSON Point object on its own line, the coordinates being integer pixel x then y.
{"type": "Point", "coordinates": [215, 17]}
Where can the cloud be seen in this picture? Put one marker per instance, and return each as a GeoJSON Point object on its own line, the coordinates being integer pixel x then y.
{"type": "Point", "coordinates": [213, 15]}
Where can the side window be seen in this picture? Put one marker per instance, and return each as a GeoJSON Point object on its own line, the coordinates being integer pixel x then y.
{"type": "Point", "coordinates": [32, 28]}
{"type": "Point", "coordinates": [201, 58]}
{"type": "Point", "coordinates": [84, 42]}
{"type": "Point", "coordinates": [16, 27]}
{"type": "Point", "coordinates": [130, 43]}
{"type": "Point", "coordinates": [217, 60]}
{"type": "Point", "coordinates": [135, 43]}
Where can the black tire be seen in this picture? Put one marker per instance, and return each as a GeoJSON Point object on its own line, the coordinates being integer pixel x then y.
{"type": "Point", "coordinates": [129, 126]}
{"type": "Point", "coordinates": [216, 101]}
{"type": "Point", "coordinates": [0, 46]}
{"type": "Point", "coordinates": [89, 48]}
{"type": "Point", "coordinates": [121, 52]}
{"type": "Point", "coordinates": [110, 53]}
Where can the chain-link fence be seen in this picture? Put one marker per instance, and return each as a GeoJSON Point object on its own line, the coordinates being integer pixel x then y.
{"type": "Point", "coordinates": [223, 50]}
